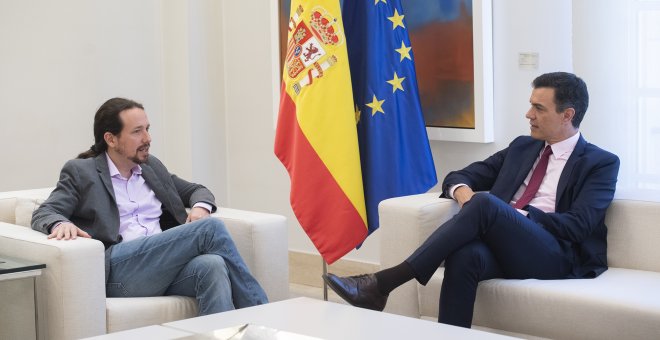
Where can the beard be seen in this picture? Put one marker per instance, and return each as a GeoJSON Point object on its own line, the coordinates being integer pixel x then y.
{"type": "Point", "coordinates": [141, 154]}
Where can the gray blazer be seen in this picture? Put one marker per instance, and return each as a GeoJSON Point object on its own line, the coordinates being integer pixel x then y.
{"type": "Point", "coordinates": [85, 197]}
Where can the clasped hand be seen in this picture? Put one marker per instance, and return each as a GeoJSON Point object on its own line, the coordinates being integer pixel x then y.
{"type": "Point", "coordinates": [463, 194]}
{"type": "Point", "coordinates": [197, 213]}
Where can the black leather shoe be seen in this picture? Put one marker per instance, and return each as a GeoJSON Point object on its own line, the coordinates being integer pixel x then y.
{"type": "Point", "coordinates": [359, 291]}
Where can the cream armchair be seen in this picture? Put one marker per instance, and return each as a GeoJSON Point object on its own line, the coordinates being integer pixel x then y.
{"type": "Point", "coordinates": [622, 303]}
{"type": "Point", "coordinates": [71, 290]}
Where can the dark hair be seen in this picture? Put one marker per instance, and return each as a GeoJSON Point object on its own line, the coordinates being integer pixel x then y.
{"type": "Point", "coordinates": [107, 119]}
{"type": "Point", "coordinates": [570, 91]}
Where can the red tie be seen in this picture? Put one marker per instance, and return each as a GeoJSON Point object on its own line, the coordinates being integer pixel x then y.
{"type": "Point", "coordinates": [535, 181]}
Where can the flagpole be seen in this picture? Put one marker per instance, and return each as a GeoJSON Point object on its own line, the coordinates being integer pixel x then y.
{"type": "Point", "coordinates": [325, 285]}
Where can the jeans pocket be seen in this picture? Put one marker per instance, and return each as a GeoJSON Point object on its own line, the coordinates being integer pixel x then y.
{"type": "Point", "coordinates": [115, 290]}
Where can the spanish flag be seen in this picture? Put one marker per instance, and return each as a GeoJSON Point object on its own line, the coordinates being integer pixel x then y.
{"type": "Point", "coordinates": [316, 136]}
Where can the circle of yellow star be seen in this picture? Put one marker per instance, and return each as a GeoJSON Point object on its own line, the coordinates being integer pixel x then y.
{"type": "Point", "coordinates": [377, 1]}
{"type": "Point", "coordinates": [404, 51]}
{"type": "Point", "coordinates": [396, 83]}
{"type": "Point", "coordinates": [396, 19]}
{"type": "Point", "coordinates": [376, 105]}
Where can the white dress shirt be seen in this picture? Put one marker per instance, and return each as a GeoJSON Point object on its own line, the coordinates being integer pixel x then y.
{"type": "Point", "coordinates": [546, 197]}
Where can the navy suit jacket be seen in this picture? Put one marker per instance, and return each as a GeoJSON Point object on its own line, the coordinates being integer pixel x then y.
{"type": "Point", "coordinates": [584, 192]}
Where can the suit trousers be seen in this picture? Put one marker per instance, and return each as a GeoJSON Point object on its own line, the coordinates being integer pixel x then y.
{"type": "Point", "coordinates": [197, 259]}
{"type": "Point", "coordinates": [487, 239]}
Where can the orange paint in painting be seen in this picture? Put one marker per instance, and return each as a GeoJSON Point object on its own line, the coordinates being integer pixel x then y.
{"type": "Point", "coordinates": [445, 71]}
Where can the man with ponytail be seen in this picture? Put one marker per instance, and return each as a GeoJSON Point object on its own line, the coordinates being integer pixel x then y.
{"type": "Point", "coordinates": [119, 194]}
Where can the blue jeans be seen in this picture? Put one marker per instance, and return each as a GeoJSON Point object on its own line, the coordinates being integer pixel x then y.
{"type": "Point", "coordinates": [197, 259]}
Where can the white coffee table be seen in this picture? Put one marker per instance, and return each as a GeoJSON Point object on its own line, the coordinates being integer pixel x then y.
{"type": "Point", "coordinates": [328, 320]}
{"type": "Point", "coordinates": [144, 333]}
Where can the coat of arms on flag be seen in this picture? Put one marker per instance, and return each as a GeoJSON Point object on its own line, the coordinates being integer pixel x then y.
{"type": "Point", "coordinates": [306, 50]}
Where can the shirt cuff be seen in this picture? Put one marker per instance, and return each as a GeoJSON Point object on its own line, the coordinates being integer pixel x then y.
{"type": "Point", "coordinates": [454, 187]}
{"type": "Point", "coordinates": [52, 229]}
{"type": "Point", "coordinates": [204, 205]}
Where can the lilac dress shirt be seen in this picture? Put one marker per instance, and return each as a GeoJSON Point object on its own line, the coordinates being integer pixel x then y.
{"type": "Point", "coordinates": [139, 209]}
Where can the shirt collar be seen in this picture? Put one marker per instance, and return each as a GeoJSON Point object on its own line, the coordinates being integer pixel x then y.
{"type": "Point", "coordinates": [563, 149]}
{"type": "Point", "coordinates": [114, 172]}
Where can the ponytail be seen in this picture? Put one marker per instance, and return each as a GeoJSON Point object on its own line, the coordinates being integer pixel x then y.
{"type": "Point", "coordinates": [93, 151]}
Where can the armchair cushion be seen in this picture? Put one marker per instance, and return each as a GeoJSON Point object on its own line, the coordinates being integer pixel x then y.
{"type": "Point", "coordinates": [129, 313]}
{"type": "Point", "coordinates": [262, 240]}
{"type": "Point", "coordinates": [7, 210]}
{"type": "Point", "coordinates": [24, 209]}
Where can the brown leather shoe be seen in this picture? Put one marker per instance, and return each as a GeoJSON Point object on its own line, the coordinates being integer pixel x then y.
{"type": "Point", "coordinates": [359, 291]}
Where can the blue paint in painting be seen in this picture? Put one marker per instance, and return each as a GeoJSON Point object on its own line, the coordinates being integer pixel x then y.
{"type": "Point", "coordinates": [421, 12]}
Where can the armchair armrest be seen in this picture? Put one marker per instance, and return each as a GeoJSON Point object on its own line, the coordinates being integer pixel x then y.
{"type": "Point", "coordinates": [71, 289]}
{"type": "Point", "coordinates": [262, 240]}
{"type": "Point", "coordinates": [406, 222]}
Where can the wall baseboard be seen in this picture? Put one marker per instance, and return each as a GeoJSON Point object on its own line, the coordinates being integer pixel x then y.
{"type": "Point", "coordinates": [306, 268]}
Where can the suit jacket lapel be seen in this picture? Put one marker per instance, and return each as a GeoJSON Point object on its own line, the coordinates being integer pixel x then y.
{"type": "Point", "coordinates": [104, 174]}
{"type": "Point", "coordinates": [568, 168]}
{"type": "Point", "coordinates": [157, 186]}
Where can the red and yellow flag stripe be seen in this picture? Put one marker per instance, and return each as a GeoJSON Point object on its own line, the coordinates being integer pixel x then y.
{"type": "Point", "coordinates": [316, 137]}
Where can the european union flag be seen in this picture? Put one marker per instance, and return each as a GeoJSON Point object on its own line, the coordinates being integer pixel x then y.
{"type": "Point", "coordinates": [394, 148]}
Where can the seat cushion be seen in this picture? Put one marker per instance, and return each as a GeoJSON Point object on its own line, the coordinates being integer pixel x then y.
{"type": "Point", "coordinates": [129, 313]}
{"type": "Point", "coordinates": [7, 210]}
{"type": "Point", "coordinates": [619, 304]}
{"type": "Point", "coordinates": [24, 209]}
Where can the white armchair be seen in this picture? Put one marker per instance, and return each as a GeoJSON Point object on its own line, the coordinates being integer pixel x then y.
{"type": "Point", "coordinates": [622, 303]}
{"type": "Point", "coordinates": [71, 290]}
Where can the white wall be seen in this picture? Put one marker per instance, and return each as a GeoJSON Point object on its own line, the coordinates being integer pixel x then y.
{"type": "Point", "coordinates": [61, 60]}
{"type": "Point", "coordinates": [193, 145]}
{"type": "Point", "coordinates": [207, 72]}
{"type": "Point", "coordinates": [600, 45]}
{"type": "Point", "coordinates": [58, 63]}
{"type": "Point", "coordinates": [256, 179]}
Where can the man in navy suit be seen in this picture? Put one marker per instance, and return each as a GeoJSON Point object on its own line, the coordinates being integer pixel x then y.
{"type": "Point", "coordinates": [538, 212]}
